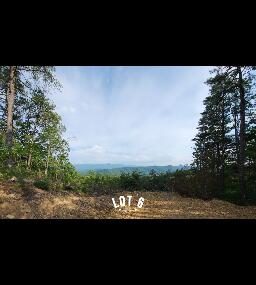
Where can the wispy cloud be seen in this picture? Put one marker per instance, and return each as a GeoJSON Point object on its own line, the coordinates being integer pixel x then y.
{"type": "Point", "coordinates": [135, 115]}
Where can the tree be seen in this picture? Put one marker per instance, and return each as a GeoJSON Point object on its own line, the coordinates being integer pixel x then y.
{"type": "Point", "coordinates": [241, 78]}
{"type": "Point", "coordinates": [20, 79]}
{"type": "Point", "coordinates": [212, 141]}
{"type": "Point", "coordinates": [225, 124]}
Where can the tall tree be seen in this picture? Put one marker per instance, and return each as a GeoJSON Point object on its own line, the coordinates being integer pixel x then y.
{"type": "Point", "coordinates": [213, 140]}
{"type": "Point", "coordinates": [19, 79]}
{"type": "Point", "coordinates": [10, 104]}
{"type": "Point", "coordinates": [225, 124]}
{"type": "Point", "coordinates": [241, 78]}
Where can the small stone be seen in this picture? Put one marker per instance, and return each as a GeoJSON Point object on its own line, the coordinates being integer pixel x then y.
{"type": "Point", "coordinates": [13, 179]}
{"type": "Point", "coordinates": [10, 217]}
{"type": "Point", "coordinates": [39, 191]}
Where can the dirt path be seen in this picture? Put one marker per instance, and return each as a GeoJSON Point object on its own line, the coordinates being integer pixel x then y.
{"type": "Point", "coordinates": [16, 203]}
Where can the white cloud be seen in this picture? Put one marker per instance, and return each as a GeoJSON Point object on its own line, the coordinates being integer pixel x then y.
{"type": "Point", "coordinates": [131, 115]}
{"type": "Point", "coordinates": [66, 109]}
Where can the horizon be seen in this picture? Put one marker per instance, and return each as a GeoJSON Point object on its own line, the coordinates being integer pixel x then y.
{"type": "Point", "coordinates": [126, 165]}
{"type": "Point", "coordinates": [84, 168]}
{"type": "Point", "coordinates": [142, 116]}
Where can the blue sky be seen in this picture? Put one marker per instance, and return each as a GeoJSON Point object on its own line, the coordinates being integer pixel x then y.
{"type": "Point", "coordinates": [131, 115]}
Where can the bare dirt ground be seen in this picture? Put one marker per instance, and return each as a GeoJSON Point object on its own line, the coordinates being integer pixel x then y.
{"type": "Point", "coordinates": [17, 203]}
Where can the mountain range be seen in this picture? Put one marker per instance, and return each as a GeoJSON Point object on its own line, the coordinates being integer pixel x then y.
{"type": "Point", "coordinates": [119, 168]}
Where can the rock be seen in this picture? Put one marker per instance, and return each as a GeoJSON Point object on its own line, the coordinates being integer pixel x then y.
{"type": "Point", "coordinates": [13, 179]}
{"type": "Point", "coordinates": [39, 191]}
{"type": "Point", "coordinates": [10, 217]}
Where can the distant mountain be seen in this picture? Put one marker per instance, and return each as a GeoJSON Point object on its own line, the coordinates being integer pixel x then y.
{"type": "Point", "coordinates": [143, 169]}
{"type": "Point", "coordinates": [83, 168]}
{"type": "Point", "coordinates": [118, 169]}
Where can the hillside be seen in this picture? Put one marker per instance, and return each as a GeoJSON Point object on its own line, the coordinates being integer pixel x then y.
{"type": "Point", "coordinates": [83, 168]}
{"type": "Point", "coordinates": [118, 169]}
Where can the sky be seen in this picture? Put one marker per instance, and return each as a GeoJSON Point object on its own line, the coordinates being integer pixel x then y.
{"type": "Point", "coordinates": [131, 115]}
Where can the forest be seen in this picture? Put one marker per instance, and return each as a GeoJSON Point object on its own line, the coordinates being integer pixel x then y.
{"type": "Point", "coordinates": [33, 148]}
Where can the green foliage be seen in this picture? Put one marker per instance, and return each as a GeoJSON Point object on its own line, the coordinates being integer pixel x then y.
{"type": "Point", "coordinates": [99, 183]}
{"type": "Point", "coordinates": [189, 183]}
{"type": "Point", "coordinates": [38, 149]}
{"type": "Point", "coordinates": [225, 148]}
{"type": "Point", "coordinates": [131, 181]}
{"type": "Point", "coordinates": [42, 184]}
{"type": "Point", "coordinates": [183, 182]}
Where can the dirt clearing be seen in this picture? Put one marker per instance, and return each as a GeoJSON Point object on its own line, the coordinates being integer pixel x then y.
{"type": "Point", "coordinates": [16, 203]}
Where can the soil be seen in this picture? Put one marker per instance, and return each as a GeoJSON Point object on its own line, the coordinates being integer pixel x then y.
{"type": "Point", "coordinates": [33, 203]}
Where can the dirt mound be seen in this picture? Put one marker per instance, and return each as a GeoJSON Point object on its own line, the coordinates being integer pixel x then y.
{"type": "Point", "coordinates": [26, 203]}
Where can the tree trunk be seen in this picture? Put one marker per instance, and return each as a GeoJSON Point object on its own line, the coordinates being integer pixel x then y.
{"type": "Point", "coordinates": [242, 181]}
{"type": "Point", "coordinates": [29, 160]}
{"type": "Point", "coordinates": [10, 105]}
{"type": "Point", "coordinates": [223, 148]}
{"type": "Point", "coordinates": [47, 161]}
{"type": "Point", "coordinates": [236, 138]}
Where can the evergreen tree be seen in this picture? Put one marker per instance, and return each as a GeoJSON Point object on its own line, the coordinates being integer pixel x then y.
{"type": "Point", "coordinates": [226, 128]}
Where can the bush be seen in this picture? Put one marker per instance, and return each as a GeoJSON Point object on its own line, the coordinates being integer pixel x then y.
{"type": "Point", "coordinates": [131, 181]}
{"type": "Point", "coordinates": [159, 181]}
{"type": "Point", "coordinates": [191, 184]}
{"type": "Point", "coordinates": [99, 183]}
{"type": "Point", "coordinates": [42, 184]}
{"type": "Point", "coordinates": [136, 181]}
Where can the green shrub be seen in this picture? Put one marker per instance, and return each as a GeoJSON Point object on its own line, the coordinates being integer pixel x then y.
{"type": "Point", "coordinates": [42, 184]}
{"type": "Point", "coordinates": [192, 184]}
{"type": "Point", "coordinates": [99, 183]}
{"type": "Point", "coordinates": [131, 181]}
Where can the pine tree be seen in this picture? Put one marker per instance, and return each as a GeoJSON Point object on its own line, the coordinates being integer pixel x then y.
{"type": "Point", "coordinates": [212, 141]}
{"type": "Point", "coordinates": [225, 125]}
